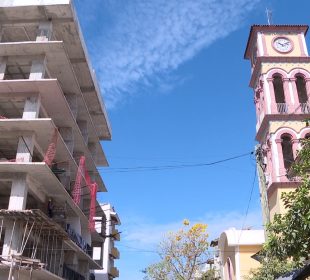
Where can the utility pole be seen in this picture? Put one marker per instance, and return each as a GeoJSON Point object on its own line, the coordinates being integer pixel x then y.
{"type": "Point", "coordinates": [262, 185]}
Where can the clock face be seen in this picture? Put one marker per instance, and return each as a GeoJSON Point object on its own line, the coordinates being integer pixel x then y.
{"type": "Point", "coordinates": [282, 44]}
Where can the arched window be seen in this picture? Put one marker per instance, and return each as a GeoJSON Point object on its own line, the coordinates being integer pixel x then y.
{"type": "Point", "coordinates": [279, 94]}
{"type": "Point", "coordinates": [301, 89]}
{"type": "Point", "coordinates": [302, 93]}
{"type": "Point", "coordinates": [287, 150]}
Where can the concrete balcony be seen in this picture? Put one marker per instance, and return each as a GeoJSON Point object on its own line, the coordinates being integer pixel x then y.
{"type": "Point", "coordinates": [46, 183]}
{"type": "Point", "coordinates": [56, 106]}
{"type": "Point", "coordinates": [115, 253]}
{"type": "Point", "coordinates": [17, 14]}
{"type": "Point", "coordinates": [116, 235]}
{"type": "Point", "coordinates": [44, 129]}
{"type": "Point", "coordinates": [59, 67]}
{"type": "Point", "coordinates": [281, 112]}
{"type": "Point", "coordinates": [114, 272]}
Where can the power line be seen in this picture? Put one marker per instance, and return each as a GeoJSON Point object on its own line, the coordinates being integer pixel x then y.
{"type": "Point", "coordinates": [249, 202]}
{"type": "Point", "coordinates": [170, 167]}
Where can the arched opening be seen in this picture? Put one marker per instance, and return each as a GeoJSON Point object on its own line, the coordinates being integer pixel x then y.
{"type": "Point", "coordinates": [287, 150]}
{"type": "Point", "coordinates": [229, 269]}
{"type": "Point", "coordinates": [279, 94]}
{"type": "Point", "coordinates": [307, 136]}
{"type": "Point", "coordinates": [302, 93]}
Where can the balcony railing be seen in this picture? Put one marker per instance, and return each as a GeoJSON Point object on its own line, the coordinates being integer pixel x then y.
{"type": "Point", "coordinates": [78, 240]}
{"type": "Point", "coordinates": [305, 108]}
{"type": "Point", "coordinates": [282, 108]}
{"type": "Point", "coordinates": [70, 274]}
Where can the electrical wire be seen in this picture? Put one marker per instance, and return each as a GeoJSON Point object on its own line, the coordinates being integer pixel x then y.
{"type": "Point", "coordinates": [169, 167]}
{"type": "Point", "coordinates": [249, 202]}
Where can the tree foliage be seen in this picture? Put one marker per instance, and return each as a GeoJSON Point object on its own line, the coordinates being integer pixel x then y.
{"type": "Point", "coordinates": [289, 233]}
{"type": "Point", "coordinates": [270, 269]}
{"type": "Point", "coordinates": [288, 242]}
{"type": "Point", "coordinates": [181, 254]}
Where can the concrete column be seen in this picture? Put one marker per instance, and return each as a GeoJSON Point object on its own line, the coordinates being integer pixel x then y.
{"type": "Point", "coordinates": [19, 190]}
{"type": "Point", "coordinates": [282, 170]}
{"type": "Point", "coordinates": [288, 98]}
{"type": "Point", "coordinates": [38, 68]}
{"type": "Point", "coordinates": [3, 63]}
{"type": "Point", "coordinates": [93, 150]}
{"type": "Point", "coordinates": [86, 235]}
{"type": "Point", "coordinates": [86, 206]}
{"type": "Point", "coordinates": [45, 31]}
{"type": "Point", "coordinates": [84, 268]}
{"type": "Point", "coordinates": [17, 201]}
{"type": "Point", "coordinates": [73, 104]}
{"type": "Point", "coordinates": [12, 237]}
{"type": "Point", "coordinates": [65, 177]}
{"type": "Point", "coordinates": [274, 109]}
{"type": "Point", "coordinates": [32, 107]}
{"type": "Point", "coordinates": [25, 148]}
{"type": "Point", "coordinates": [308, 88]}
{"type": "Point", "coordinates": [75, 224]}
{"type": "Point", "coordinates": [295, 143]}
{"type": "Point", "coordinates": [1, 33]}
{"type": "Point", "coordinates": [68, 136]}
{"type": "Point", "coordinates": [84, 130]}
{"type": "Point", "coordinates": [295, 93]}
{"type": "Point", "coordinates": [71, 258]}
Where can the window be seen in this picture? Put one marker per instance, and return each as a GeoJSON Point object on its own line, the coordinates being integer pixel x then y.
{"type": "Point", "coordinates": [301, 89]}
{"type": "Point", "coordinates": [287, 150]}
{"type": "Point", "coordinates": [302, 94]}
{"type": "Point", "coordinates": [279, 94]}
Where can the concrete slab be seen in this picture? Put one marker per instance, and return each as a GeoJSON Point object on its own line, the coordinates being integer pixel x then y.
{"type": "Point", "coordinates": [60, 67]}
{"type": "Point", "coordinates": [69, 244]}
{"type": "Point", "coordinates": [55, 103]}
{"type": "Point", "coordinates": [44, 129]}
{"type": "Point", "coordinates": [49, 183]}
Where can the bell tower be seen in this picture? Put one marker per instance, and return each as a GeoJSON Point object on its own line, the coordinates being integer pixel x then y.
{"type": "Point", "coordinates": [280, 78]}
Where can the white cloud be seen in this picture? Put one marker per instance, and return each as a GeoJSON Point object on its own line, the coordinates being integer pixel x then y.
{"type": "Point", "coordinates": [141, 234]}
{"type": "Point", "coordinates": [140, 237]}
{"type": "Point", "coordinates": [143, 41]}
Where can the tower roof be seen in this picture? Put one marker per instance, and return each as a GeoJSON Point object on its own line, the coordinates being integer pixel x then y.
{"type": "Point", "coordinates": [272, 28]}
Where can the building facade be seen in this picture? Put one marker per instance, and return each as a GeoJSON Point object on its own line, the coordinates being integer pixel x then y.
{"type": "Point", "coordinates": [281, 82]}
{"type": "Point", "coordinates": [52, 119]}
{"type": "Point", "coordinates": [108, 252]}
{"type": "Point", "coordinates": [236, 250]}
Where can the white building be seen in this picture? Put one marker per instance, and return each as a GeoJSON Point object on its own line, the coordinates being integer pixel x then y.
{"type": "Point", "coordinates": [108, 252]}
{"type": "Point", "coordinates": [52, 119]}
{"type": "Point", "coordinates": [236, 251]}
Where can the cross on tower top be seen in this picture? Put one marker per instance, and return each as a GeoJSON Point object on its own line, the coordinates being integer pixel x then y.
{"type": "Point", "coordinates": [269, 16]}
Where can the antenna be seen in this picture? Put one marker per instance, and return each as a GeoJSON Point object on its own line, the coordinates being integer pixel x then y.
{"type": "Point", "coordinates": [269, 16]}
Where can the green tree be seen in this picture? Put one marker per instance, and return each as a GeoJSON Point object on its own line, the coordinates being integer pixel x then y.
{"type": "Point", "coordinates": [181, 254]}
{"type": "Point", "coordinates": [289, 233]}
{"type": "Point", "coordinates": [288, 242]}
{"type": "Point", "coordinates": [270, 269]}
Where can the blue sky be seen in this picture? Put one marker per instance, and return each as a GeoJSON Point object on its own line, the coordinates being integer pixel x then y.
{"type": "Point", "coordinates": [176, 87]}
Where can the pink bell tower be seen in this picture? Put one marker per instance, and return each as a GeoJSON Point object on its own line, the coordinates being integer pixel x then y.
{"type": "Point", "coordinates": [280, 78]}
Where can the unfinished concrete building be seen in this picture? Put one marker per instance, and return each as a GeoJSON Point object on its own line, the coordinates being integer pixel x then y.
{"type": "Point", "coordinates": [52, 119]}
{"type": "Point", "coordinates": [107, 252]}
